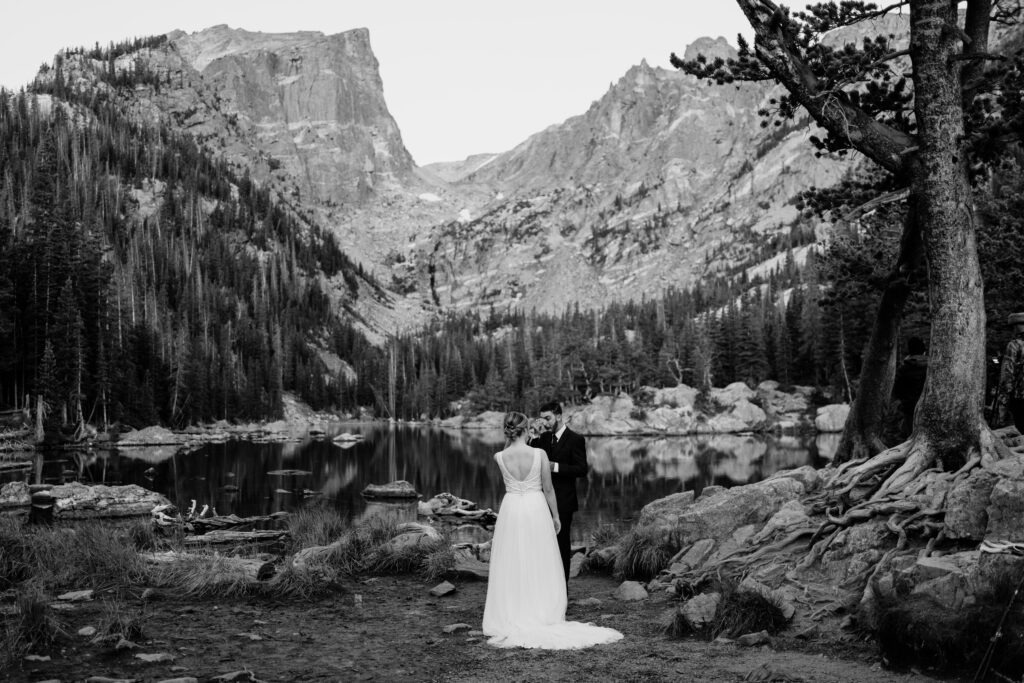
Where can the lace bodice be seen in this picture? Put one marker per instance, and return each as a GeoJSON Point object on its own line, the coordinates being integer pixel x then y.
{"type": "Point", "coordinates": [529, 483]}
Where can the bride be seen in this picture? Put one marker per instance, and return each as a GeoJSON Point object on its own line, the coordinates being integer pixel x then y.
{"type": "Point", "coordinates": [526, 594]}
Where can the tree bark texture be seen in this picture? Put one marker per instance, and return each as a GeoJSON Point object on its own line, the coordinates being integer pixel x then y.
{"type": "Point", "coordinates": [949, 416]}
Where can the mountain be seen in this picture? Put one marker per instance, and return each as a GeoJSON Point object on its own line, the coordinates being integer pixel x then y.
{"type": "Point", "coordinates": [665, 181]}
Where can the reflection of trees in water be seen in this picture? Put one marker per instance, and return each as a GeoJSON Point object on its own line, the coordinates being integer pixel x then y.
{"type": "Point", "coordinates": [626, 472]}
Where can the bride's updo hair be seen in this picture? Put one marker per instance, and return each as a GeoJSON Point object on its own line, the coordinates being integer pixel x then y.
{"type": "Point", "coordinates": [514, 425]}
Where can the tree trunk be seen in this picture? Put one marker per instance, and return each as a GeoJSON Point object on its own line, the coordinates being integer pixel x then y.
{"type": "Point", "coordinates": [862, 432]}
{"type": "Point", "coordinates": [949, 416]}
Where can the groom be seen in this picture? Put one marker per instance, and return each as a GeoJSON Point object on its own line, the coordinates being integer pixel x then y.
{"type": "Point", "coordinates": [567, 453]}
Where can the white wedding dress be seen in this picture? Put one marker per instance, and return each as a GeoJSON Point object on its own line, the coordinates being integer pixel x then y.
{"type": "Point", "coordinates": [526, 596]}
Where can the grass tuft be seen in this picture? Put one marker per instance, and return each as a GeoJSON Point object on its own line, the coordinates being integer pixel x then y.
{"type": "Point", "coordinates": [119, 623]}
{"type": "Point", "coordinates": [439, 562]}
{"type": "Point", "coordinates": [33, 627]}
{"type": "Point", "coordinates": [15, 554]}
{"type": "Point", "coordinates": [605, 535]}
{"type": "Point", "coordinates": [315, 525]}
{"type": "Point", "coordinates": [642, 554]}
{"type": "Point", "coordinates": [742, 612]}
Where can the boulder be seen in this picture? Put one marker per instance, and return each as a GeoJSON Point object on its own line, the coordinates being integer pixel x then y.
{"type": "Point", "coordinates": [947, 579]}
{"type": "Point", "coordinates": [789, 518]}
{"type": "Point", "coordinates": [675, 502]}
{"type": "Point", "coordinates": [75, 500]}
{"type": "Point", "coordinates": [723, 423]}
{"type": "Point", "coordinates": [749, 414]}
{"type": "Point", "coordinates": [681, 396]}
{"type": "Point", "coordinates": [15, 494]}
{"type": "Point", "coordinates": [831, 418]}
{"type": "Point", "coordinates": [856, 549]}
{"type": "Point", "coordinates": [694, 557]}
{"type": "Point", "coordinates": [491, 419]}
{"type": "Point", "coordinates": [718, 516]}
{"type": "Point", "coordinates": [395, 489]}
{"type": "Point", "coordinates": [806, 475]}
{"type": "Point", "coordinates": [631, 591]}
{"type": "Point", "coordinates": [967, 506]}
{"type": "Point", "coordinates": [607, 415]}
{"type": "Point", "coordinates": [729, 395]}
{"type": "Point", "coordinates": [671, 420]}
{"type": "Point", "coordinates": [700, 610]}
{"type": "Point", "coordinates": [1006, 511]}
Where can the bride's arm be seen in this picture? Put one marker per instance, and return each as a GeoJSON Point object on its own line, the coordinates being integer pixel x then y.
{"type": "Point", "coordinates": [549, 491]}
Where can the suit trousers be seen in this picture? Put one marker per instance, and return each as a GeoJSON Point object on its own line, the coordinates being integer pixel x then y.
{"type": "Point", "coordinates": [563, 538]}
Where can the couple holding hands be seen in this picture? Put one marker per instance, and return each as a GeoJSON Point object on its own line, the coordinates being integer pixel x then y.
{"type": "Point", "coordinates": [529, 568]}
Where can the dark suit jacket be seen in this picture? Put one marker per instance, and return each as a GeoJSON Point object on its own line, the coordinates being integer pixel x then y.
{"type": "Point", "coordinates": [570, 452]}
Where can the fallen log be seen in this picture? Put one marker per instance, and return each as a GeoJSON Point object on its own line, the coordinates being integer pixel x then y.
{"type": "Point", "coordinates": [224, 536]}
{"type": "Point", "coordinates": [248, 569]}
{"type": "Point", "coordinates": [204, 525]}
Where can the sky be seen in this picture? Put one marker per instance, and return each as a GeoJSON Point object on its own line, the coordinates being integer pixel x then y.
{"type": "Point", "coordinates": [460, 76]}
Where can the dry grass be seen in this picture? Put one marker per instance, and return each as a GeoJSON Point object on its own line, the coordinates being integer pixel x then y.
{"type": "Point", "coordinates": [32, 628]}
{"type": "Point", "coordinates": [15, 559]}
{"type": "Point", "coordinates": [118, 623]}
{"type": "Point", "coordinates": [641, 554]}
{"type": "Point", "coordinates": [315, 525]}
{"type": "Point", "coordinates": [85, 556]}
{"type": "Point", "coordinates": [438, 563]}
{"type": "Point", "coordinates": [202, 576]}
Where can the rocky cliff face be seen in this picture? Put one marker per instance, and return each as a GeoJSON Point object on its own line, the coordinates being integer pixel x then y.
{"type": "Point", "coordinates": [311, 104]}
{"type": "Point", "coordinates": [664, 181]}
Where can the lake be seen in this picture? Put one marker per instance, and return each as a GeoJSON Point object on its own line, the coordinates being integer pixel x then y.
{"type": "Point", "coordinates": [246, 478]}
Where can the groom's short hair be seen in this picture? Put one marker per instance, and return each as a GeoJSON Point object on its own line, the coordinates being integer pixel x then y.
{"type": "Point", "coordinates": [552, 407]}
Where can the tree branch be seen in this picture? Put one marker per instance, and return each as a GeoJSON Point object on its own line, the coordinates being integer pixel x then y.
{"type": "Point", "coordinates": [779, 54]}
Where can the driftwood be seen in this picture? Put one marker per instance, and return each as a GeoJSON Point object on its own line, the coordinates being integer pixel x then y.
{"type": "Point", "coordinates": [203, 525]}
{"type": "Point", "coordinates": [449, 505]}
{"type": "Point", "coordinates": [226, 536]}
{"type": "Point", "coordinates": [248, 569]}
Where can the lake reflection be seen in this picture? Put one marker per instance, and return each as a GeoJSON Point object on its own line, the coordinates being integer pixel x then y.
{"type": "Point", "coordinates": [246, 478]}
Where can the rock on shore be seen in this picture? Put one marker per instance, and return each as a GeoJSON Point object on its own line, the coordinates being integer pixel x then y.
{"type": "Point", "coordinates": [683, 410]}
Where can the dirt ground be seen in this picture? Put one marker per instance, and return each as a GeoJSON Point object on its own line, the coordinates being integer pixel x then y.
{"type": "Point", "coordinates": [392, 629]}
